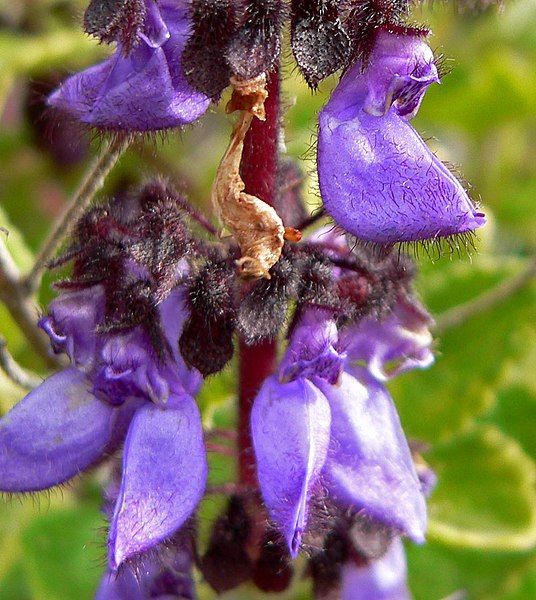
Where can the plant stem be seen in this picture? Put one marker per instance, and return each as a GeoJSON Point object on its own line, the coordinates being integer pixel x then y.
{"type": "Point", "coordinates": [91, 184]}
{"type": "Point", "coordinates": [14, 371]}
{"type": "Point", "coordinates": [21, 308]}
{"type": "Point", "coordinates": [259, 172]}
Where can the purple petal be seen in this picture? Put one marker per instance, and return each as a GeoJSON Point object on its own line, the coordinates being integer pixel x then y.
{"type": "Point", "coordinates": [173, 314]}
{"type": "Point", "coordinates": [290, 429]}
{"type": "Point", "coordinates": [402, 67]}
{"type": "Point", "coordinates": [72, 322]}
{"type": "Point", "coordinates": [130, 367]}
{"type": "Point", "coordinates": [56, 431]}
{"type": "Point", "coordinates": [311, 351]}
{"type": "Point", "coordinates": [369, 465]}
{"type": "Point", "coordinates": [144, 91]}
{"type": "Point", "coordinates": [382, 579]}
{"type": "Point", "coordinates": [164, 476]}
{"type": "Point", "coordinates": [398, 343]}
{"type": "Point", "coordinates": [378, 179]}
{"type": "Point", "coordinates": [122, 586]}
{"type": "Point", "coordinates": [155, 31]}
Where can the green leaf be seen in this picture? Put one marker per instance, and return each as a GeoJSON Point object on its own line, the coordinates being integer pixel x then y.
{"type": "Point", "coordinates": [471, 358]}
{"type": "Point", "coordinates": [438, 571]}
{"type": "Point", "coordinates": [62, 554]}
{"type": "Point", "coordinates": [514, 414]}
{"type": "Point", "coordinates": [486, 495]}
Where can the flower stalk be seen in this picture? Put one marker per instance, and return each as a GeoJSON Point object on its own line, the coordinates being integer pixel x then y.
{"type": "Point", "coordinates": [256, 362]}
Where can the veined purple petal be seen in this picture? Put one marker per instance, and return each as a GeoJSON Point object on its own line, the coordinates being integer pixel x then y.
{"type": "Point", "coordinates": [164, 476]}
{"type": "Point", "coordinates": [73, 317]}
{"type": "Point", "coordinates": [290, 429]}
{"type": "Point", "coordinates": [382, 579]}
{"type": "Point", "coordinates": [369, 465]}
{"type": "Point", "coordinates": [56, 431]}
{"type": "Point", "coordinates": [144, 91]}
{"type": "Point", "coordinates": [398, 343]}
{"type": "Point", "coordinates": [378, 179]}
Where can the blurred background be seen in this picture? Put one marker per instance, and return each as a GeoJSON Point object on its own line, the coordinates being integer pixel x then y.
{"type": "Point", "coordinates": [474, 409]}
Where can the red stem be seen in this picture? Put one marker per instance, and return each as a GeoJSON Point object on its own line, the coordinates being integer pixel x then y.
{"type": "Point", "coordinates": [259, 172]}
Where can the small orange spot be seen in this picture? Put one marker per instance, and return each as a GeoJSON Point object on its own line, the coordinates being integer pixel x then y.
{"type": "Point", "coordinates": [292, 235]}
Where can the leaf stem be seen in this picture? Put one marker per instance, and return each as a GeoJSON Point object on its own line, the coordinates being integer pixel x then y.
{"type": "Point", "coordinates": [21, 308]}
{"type": "Point", "coordinates": [90, 185]}
{"type": "Point", "coordinates": [458, 315]}
{"type": "Point", "coordinates": [14, 371]}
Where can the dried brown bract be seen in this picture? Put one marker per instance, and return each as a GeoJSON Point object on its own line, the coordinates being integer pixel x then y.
{"type": "Point", "coordinates": [254, 224]}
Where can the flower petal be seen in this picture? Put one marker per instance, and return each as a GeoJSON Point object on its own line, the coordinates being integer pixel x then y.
{"type": "Point", "coordinates": [369, 464]}
{"type": "Point", "coordinates": [382, 579]}
{"type": "Point", "coordinates": [378, 179]}
{"type": "Point", "coordinates": [56, 431]}
{"type": "Point", "coordinates": [122, 586]}
{"type": "Point", "coordinates": [290, 428]}
{"type": "Point", "coordinates": [312, 348]}
{"type": "Point", "coordinates": [144, 91]}
{"type": "Point", "coordinates": [398, 343]}
{"type": "Point", "coordinates": [164, 476]}
{"type": "Point", "coordinates": [73, 317]}
{"type": "Point", "coordinates": [173, 313]}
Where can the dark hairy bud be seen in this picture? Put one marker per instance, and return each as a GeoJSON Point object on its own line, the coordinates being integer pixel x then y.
{"type": "Point", "coordinates": [256, 46]}
{"type": "Point", "coordinates": [263, 311]}
{"type": "Point", "coordinates": [325, 566]}
{"type": "Point", "coordinates": [365, 17]}
{"type": "Point", "coordinates": [319, 41]}
{"type": "Point", "coordinates": [115, 21]}
{"type": "Point", "coordinates": [204, 58]}
{"type": "Point", "coordinates": [273, 570]}
{"type": "Point", "coordinates": [163, 238]}
{"type": "Point", "coordinates": [206, 342]}
{"type": "Point", "coordinates": [227, 563]}
{"type": "Point", "coordinates": [316, 280]}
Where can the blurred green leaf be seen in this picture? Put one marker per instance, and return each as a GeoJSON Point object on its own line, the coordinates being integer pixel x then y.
{"type": "Point", "coordinates": [514, 414]}
{"type": "Point", "coordinates": [437, 571]}
{"type": "Point", "coordinates": [62, 554]}
{"type": "Point", "coordinates": [486, 495]}
{"type": "Point", "coordinates": [471, 358]}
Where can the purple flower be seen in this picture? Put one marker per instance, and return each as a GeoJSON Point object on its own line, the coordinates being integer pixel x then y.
{"type": "Point", "coordinates": [341, 434]}
{"type": "Point", "coordinates": [382, 579]}
{"type": "Point", "coordinates": [398, 343]}
{"type": "Point", "coordinates": [118, 386]}
{"type": "Point", "coordinates": [378, 179]}
{"type": "Point", "coordinates": [145, 90]}
{"type": "Point", "coordinates": [165, 575]}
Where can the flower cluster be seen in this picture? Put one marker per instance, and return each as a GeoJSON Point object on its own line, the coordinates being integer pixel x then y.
{"type": "Point", "coordinates": [153, 307]}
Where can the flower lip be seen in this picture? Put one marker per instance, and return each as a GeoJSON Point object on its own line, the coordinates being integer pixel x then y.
{"type": "Point", "coordinates": [402, 67]}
